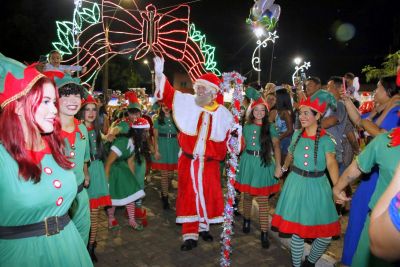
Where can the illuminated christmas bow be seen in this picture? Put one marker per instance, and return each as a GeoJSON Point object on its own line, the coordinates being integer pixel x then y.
{"type": "Point", "coordinates": [164, 34]}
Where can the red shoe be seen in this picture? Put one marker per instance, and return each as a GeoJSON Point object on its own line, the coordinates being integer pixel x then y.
{"type": "Point", "coordinates": [141, 215]}
{"type": "Point", "coordinates": [114, 225]}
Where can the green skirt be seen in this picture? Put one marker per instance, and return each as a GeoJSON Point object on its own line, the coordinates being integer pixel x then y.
{"type": "Point", "coordinates": [124, 187]}
{"type": "Point", "coordinates": [306, 208]}
{"type": "Point", "coordinates": [169, 150]}
{"type": "Point", "coordinates": [255, 179]}
{"type": "Point", "coordinates": [98, 187]}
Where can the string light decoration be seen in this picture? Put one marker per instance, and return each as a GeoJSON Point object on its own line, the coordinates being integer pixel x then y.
{"type": "Point", "coordinates": [207, 50]}
{"type": "Point", "coordinates": [301, 68]}
{"type": "Point", "coordinates": [231, 81]}
{"type": "Point", "coordinates": [67, 31]}
{"type": "Point", "coordinates": [256, 60]}
{"type": "Point", "coordinates": [101, 31]}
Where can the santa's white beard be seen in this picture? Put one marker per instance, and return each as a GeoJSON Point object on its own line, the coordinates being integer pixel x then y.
{"type": "Point", "coordinates": [204, 100]}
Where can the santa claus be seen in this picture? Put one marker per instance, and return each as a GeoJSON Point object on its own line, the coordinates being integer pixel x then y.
{"type": "Point", "coordinates": [204, 125]}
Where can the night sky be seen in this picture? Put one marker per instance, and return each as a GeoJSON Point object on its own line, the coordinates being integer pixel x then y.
{"type": "Point", "coordinates": [306, 28]}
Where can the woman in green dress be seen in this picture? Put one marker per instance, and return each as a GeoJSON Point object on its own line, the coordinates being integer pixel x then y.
{"type": "Point", "coordinates": [259, 168]}
{"type": "Point", "coordinates": [382, 152]}
{"type": "Point", "coordinates": [37, 185]}
{"type": "Point", "coordinates": [305, 208]}
{"type": "Point", "coordinates": [166, 149]}
{"type": "Point", "coordinates": [98, 189]}
{"type": "Point", "coordinates": [125, 167]}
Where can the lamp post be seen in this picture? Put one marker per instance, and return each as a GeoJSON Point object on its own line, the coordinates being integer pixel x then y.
{"type": "Point", "coordinates": [262, 41]}
{"type": "Point", "coordinates": [146, 62]}
{"type": "Point", "coordinates": [259, 32]}
{"type": "Point", "coordinates": [298, 68]}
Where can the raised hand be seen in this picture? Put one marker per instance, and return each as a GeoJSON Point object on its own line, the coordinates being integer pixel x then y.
{"type": "Point", "coordinates": [158, 66]}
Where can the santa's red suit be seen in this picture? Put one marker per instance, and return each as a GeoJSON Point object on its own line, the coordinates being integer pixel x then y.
{"type": "Point", "coordinates": [203, 138]}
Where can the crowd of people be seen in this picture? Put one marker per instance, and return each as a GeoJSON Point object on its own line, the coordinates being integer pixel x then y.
{"type": "Point", "coordinates": [64, 159]}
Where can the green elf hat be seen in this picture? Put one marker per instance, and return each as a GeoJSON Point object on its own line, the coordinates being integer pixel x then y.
{"type": "Point", "coordinates": [60, 82]}
{"type": "Point", "coordinates": [133, 100]}
{"type": "Point", "coordinates": [16, 79]}
{"type": "Point", "coordinates": [326, 97]}
{"type": "Point", "coordinates": [255, 97]}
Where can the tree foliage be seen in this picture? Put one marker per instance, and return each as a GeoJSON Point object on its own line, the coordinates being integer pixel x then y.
{"type": "Point", "coordinates": [389, 67]}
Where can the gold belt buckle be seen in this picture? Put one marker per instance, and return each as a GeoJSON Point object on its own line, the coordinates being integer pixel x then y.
{"type": "Point", "coordinates": [50, 232]}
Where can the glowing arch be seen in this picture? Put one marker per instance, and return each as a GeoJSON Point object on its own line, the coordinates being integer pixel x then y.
{"type": "Point", "coordinates": [101, 31]}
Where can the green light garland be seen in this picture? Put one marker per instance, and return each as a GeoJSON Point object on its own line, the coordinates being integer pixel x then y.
{"type": "Point", "coordinates": [207, 50]}
{"type": "Point", "coordinates": [66, 30]}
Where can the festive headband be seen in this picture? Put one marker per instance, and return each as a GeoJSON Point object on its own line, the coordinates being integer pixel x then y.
{"type": "Point", "coordinates": [314, 104]}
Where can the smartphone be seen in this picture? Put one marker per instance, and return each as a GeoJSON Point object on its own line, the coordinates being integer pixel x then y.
{"type": "Point", "coordinates": [303, 77]}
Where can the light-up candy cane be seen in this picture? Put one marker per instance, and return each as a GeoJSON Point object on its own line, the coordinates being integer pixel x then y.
{"type": "Point", "coordinates": [231, 81]}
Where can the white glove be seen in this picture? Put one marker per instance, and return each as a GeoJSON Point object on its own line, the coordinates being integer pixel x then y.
{"type": "Point", "coordinates": [158, 66]}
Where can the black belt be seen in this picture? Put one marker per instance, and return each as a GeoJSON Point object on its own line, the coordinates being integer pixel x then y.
{"type": "Point", "coordinates": [307, 173]}
{"type": "Point", "coordinates": [255, 153]}
{"type": "Point", "coordinates": [167, 135]}
{"type": "Point", "coordinates": [94, 157]}
{"type": "Point", "coordinates": [80, 187]}
{"type": "Point", "coordinates": [49, 226]}
{"type": "Point", "coordinates": [191, 157]}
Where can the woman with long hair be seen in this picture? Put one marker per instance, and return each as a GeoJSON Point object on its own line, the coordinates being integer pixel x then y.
{"type": "Point", "coordinates": [98, 189]}
{"type": "Point", "coordinates": [305, 208]}
{"type": "Point", "coordinates": [258, 170]}
{"type": "Point", "coordinates": [37, 185]}
{"type": "Point", "coordinates": [124, 168]}
{"type": "Point", "coordinates": [166, 149]}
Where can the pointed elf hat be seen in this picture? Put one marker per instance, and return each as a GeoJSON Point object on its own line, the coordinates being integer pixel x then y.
{"type": "Point", "coordinates": [255, 97]}
{"type": "Point", "coordinates": [141, 123]}
{"type": "Point", "coordinates": [133, 100]}
{"type": "Point", "coordinates": [210, 80]}
{"type": "Point", "coordinates": [16, 79]}
{"type": "Point", "coordinates": [66, 79]}
{"type": "Point", "coordinates": [89, 99]}
{"type": "Point", "coordinates": [325, 96]}
{"type": "Point", "coordinates": [317, 104]}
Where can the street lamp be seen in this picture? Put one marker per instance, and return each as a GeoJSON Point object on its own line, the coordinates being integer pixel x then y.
{"type": "Point", "coordinates": [298, 60]}
{"type": "Point", "coordinates": [146, 62]}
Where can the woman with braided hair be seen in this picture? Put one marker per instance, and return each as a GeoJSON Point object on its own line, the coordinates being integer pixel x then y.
{"type": "Point", "coordinates": [258, 168]}
{"type": "Point", "coordinates": [305, 207]}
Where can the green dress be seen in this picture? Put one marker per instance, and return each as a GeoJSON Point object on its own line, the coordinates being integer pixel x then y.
{"type": "Point", "coordinates": [23, 202]}
{"type": "Point", "coordinates": [124, 187]}
{"type": "Point", "coordinates": [77, 150]}
{"type": "Point", "coordinates": [376, 153]}
{"type": "Point", "coordinates": [98, 188]}
{"type": "Point", "coordinates": [167, 145]}
{"type": "Point", "coordinates": [305, 206]}
{"type": "Point", "coordinates": [253, 177]}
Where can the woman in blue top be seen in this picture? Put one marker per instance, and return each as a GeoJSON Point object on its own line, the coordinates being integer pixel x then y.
{"type": "Point", "coordinates": [382, 119]}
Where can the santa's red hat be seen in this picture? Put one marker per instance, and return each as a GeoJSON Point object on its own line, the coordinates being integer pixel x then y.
{"type": "Point", "coordinates": [210, 80]}
{"type": "Point", "coordinates": [141, 123]}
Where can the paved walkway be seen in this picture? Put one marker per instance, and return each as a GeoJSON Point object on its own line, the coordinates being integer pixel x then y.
{"type": "Point", "coordinates": [159, 243]}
